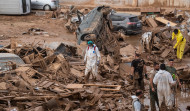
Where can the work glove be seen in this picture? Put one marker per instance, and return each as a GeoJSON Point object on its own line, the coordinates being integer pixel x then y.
{"type": "Point", "coordinates": [131, 76]}
{"type": "Point", "coordinates": [146, 76]}
{"type": "Point", "coordinates": [98, 62]}
{"type": "Point", "coordinates": [175, 50]}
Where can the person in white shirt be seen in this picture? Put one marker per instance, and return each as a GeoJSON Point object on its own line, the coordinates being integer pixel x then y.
{"type": "Point", "coordinates": [136, 104]}
{"type": "Point", "coordinates": [164, 81]}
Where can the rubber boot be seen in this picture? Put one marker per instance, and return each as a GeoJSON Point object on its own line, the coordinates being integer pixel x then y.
{"type": "Point", "coordinates": [86, 78]}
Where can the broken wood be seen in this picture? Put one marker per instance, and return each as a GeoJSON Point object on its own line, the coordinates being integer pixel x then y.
{"type": "Point", "coordinates": [166, 52]}
{"type": "Point", "coordinates": [151, 22]}
{"type": "Point", "coordinates": [163, 20]}
{"type": "Point", "coordinates": [102, 87]}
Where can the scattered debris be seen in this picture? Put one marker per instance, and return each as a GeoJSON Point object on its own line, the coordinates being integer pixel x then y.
{"type": "Point", "coordinates": [36, 31]}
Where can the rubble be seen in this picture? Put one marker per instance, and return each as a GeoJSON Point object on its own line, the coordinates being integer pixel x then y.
{"type": "Point", "coordinates": [52, 78]}
{"type": "Point", "coordinates": [49, 83]}
{"type": "Point", "coordinates": [36, 31]}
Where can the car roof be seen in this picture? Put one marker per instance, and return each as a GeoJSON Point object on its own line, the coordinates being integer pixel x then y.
{"type": "Point", "coordinates": [3, 55]}
{"type": "Point", "coordinates": [124, 15]}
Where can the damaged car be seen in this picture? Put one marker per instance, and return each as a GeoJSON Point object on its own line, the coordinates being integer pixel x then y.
{"type": "Point", "coordinates": [125, 23]}
{"type": "Point", "coordinates": [97, 27]}
{"type": "Point", "coordinates": [9, 61]}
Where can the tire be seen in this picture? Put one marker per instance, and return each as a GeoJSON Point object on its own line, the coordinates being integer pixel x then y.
{"type": "Point", "coordinates": [122, 31]}
{"type": "Point", "coordinates": [47, 8]}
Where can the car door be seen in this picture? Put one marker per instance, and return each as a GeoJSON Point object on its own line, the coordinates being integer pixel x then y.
{"type": "Point", "coordinates": [41, 3]}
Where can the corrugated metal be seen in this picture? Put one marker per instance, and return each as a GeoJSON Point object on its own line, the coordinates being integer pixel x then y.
{"type": "Point", "coordinates": [157, 3]}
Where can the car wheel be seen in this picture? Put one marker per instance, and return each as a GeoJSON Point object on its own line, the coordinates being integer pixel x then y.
{"type": "Point", "coordinates": [122, 31]}
{"type": "Point", "coordinates": [47, 8]}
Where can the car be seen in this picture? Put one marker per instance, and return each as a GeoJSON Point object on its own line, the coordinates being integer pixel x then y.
{"type": "Point", "coordinates": [97, 27]}
{"type": "Point", "coordinates": [125, 23]}
{"type": "Point", "coordinates": [45, 4]}
{"type": "Point", "coordinates": [8, 59]}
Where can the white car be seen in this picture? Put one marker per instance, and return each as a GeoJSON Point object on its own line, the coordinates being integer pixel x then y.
{"type": "Point", "coordinates": [45, 4]}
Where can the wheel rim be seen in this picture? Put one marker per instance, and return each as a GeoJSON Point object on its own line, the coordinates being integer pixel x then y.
{"type": "Point", "coordinates": [47, 8]}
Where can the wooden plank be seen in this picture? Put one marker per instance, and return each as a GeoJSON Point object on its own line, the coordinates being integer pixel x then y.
{"type": "Point", "coordinates": [76, 72]}
{"type": "Point", "coordinates": [166, 52]}
{"type": "Point", "coordinates": [45, 84]}
{"type": "Point", "coordinates": [102, 87]}
{"type": "Point", "coordinates": [151, 22]}
{"type": "Point", "coordinates": [25, 77]}
{"type": "Point", "coordinates": [74, 86]}
{"type": "Point", "coordinates": [163, 20]}
{"type": "Point", "coordinates": [48, 84]}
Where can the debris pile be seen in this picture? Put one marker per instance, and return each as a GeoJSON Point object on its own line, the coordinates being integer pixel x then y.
{"type": "Point", "coordinates": [48, 81]}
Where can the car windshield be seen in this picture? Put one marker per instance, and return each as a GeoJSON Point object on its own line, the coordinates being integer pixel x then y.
{"type": "Point", "coordinates": [133, 19]}
{"type": "Point", "coordinates": [5, 62]}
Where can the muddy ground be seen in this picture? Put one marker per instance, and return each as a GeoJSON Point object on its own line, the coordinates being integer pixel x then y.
{"type": "Point", "coordinates": [15, 26]}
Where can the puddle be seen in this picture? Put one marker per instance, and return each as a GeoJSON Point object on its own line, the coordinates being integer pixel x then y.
{"type": "Point", "coordinates": [134, 40]}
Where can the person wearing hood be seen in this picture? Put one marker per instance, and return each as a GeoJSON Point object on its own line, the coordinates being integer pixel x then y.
{"type": "Point", "coordinates": [164, 81]}
{"type": "Point", "coordinates": [92, 60]}
{"type": "Point", "coordinates": [180, 44]}
{"type": "Point", "coordinates": [136, 104]}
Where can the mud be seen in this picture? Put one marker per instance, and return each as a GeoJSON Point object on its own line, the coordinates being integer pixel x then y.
{"type": "Point", "coordinates": [14, 26]}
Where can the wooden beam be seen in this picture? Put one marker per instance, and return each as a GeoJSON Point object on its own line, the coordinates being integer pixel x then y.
{"type": "Point", "coordinates": [102, 87]}
{"type": "Point", "coordinates": [163, 20]}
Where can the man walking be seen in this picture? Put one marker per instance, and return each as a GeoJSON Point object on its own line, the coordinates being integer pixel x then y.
{"type": "Point", "coordinates": [92, 60]}
{"type": "Point", "coordinates": [163, 80]}
{"type": "Point", "coordinates": [137, 69]}
{"type": "Point", "coordinates": [180, 45]}
{"type": "Point", "coordinates": [153, 89]}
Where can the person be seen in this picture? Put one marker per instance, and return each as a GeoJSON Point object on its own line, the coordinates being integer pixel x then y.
{"type": "Point", "coordinates": [137, 69]}
{"type": "Point", "coordinates": [173, 73]}
{"type": "Point", "coordinates": [153, 89]}
{"type": "Point", "coordinates": [170, 68]}
{"type": "Point", "coordinates": [92, 60]}
{"type": "Point", "coordinates": [136, 104]}
{"type": "Point", "coordinates": [180, 44]}
{"type": "Point", "coordinates": [163, 80]}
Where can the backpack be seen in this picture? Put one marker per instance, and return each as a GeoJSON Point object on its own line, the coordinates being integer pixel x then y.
{"type": "Point", "coordinates": [94, 48]}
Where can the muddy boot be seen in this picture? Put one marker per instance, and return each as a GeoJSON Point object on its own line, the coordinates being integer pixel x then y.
{"type": "Point", "coordinates": [86, 78]}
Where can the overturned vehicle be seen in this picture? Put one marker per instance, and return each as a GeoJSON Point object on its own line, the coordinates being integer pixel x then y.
{"type": "Point", "coordinates": [97, 27]}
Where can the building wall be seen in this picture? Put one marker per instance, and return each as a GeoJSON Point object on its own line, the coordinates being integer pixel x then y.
{"type": "Point", "coordinates": [143, 3]}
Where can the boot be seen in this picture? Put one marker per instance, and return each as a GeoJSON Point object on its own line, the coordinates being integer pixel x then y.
{"type": "Point", "coordinates": [86, 78]}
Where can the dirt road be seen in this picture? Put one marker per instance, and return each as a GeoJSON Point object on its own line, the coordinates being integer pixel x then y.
{"type": "Point", "coordinates": [14, 26]}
